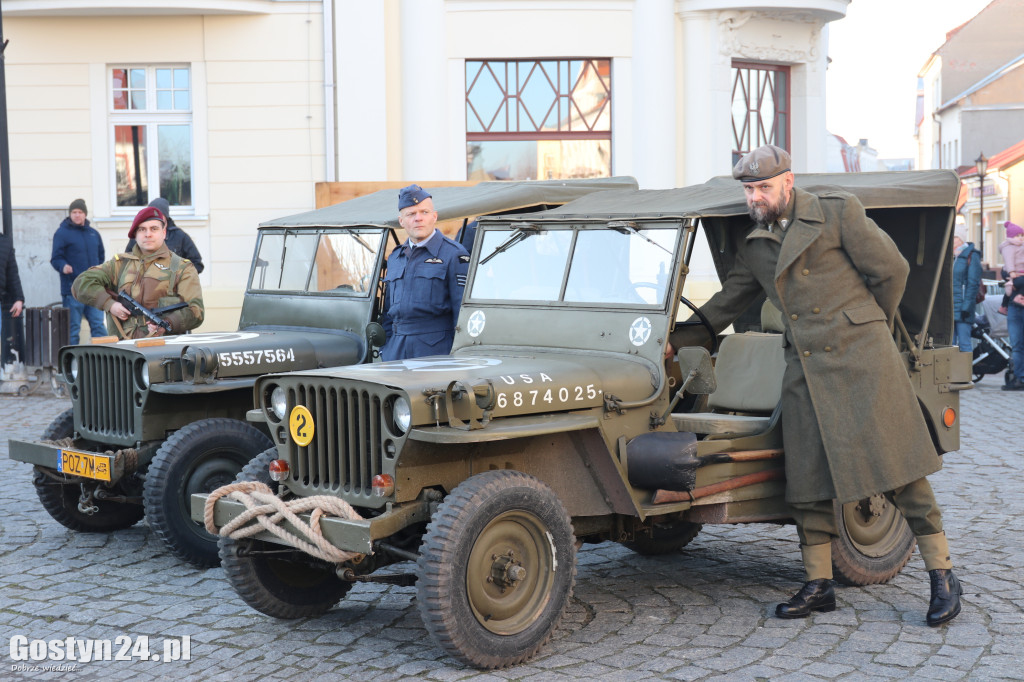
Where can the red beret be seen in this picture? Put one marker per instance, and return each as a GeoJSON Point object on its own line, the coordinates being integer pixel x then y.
{"type": "Point", "coordinates": [148, 213]}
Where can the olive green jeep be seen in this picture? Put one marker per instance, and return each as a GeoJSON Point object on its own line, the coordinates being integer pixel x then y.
{"type": "Point", "coordinates": [556, 421]}
{"type": "Point", "coordinates": [155, 420]}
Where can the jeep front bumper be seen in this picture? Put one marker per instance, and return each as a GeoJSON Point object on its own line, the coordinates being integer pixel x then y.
{"type": "Point", "coordinates": [346, 535]}
{"type": "Point", "coordinates": [72, 462]}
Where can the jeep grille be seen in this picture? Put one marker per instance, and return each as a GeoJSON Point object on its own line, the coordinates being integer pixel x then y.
{"type": "Point", "coordinates": [347, 450]}
{"type": "Point", "coordinates": [106, 395]}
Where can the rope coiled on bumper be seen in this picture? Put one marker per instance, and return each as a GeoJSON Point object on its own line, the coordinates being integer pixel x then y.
{"type": "Point", "coordinates": [265, 511]}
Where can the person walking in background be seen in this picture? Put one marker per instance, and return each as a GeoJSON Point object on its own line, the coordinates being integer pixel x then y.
{"type": "Point", "coordinates": [1012, 250]}
{"type": "Point", "coordinates": [10, 295]}
{"type": "Point", "coordinates": [150, 274]}
{"type": "Point", "coordinates": [76, 248]}
{"type": "Point", "coordinates": [966, 281]}
{"type": "Point", "coordinates": [178, 240]}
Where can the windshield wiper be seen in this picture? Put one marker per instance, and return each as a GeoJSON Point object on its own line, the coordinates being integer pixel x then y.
{"type": "Point", "coordinates": [629, 227]}
{"type": "Point", "coordinates": [522, 231]}
{"type": "Point", "coordinates": [358, 238]}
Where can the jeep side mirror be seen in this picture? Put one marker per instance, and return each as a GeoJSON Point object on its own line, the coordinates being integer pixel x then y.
{"type": "Point", "coordinates": [375, 334]}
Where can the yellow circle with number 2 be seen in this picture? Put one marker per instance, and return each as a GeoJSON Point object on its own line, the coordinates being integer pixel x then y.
{"type": "Point", "coordinates": [300, 423]}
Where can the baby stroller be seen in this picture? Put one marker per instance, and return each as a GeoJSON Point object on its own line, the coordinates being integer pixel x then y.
{"type": "Point", "coordinates": [991, 350]}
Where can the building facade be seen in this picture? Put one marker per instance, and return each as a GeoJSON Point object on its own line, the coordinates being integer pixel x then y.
{"type": "Point", "coordinates": [233, 109]}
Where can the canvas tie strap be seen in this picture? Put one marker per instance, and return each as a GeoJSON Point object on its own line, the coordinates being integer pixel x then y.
{"type": "Point", "coordinates": [265, 511]}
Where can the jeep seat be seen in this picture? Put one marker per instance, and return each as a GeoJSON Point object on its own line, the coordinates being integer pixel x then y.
{"type": "Point", "coordinates": [749, 373]}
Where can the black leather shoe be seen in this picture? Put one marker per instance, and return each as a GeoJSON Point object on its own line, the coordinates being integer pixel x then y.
{"type": "Point", "coordinates": [945, 602]}
{"type": "Point", "coordinates": [816, 595]}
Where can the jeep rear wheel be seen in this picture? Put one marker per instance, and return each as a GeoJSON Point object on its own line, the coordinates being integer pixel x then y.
{"type": "Point", "coordinates": [496, 569]}
{"type": "Point", "coordinates": [270, 584]}
{"type": "Point", "coordinates": [874, 542]}
{"type": "Point", "coordinates": [198, 458]}
{"type": "Point", "coordinates": [665, 538]}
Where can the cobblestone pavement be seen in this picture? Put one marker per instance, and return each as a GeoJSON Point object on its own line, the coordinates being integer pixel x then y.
{"type": "Point", "coordinates": [704, 614]}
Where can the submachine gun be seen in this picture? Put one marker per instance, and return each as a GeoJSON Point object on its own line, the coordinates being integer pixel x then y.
{"type": "Point", "coordinates": [154, 315]}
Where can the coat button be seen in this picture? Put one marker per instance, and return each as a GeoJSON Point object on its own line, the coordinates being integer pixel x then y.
{"type": "Point", "coordinates": [806, 271]}
{"type": "Point", "coordinates": [828, 349]}
{"type": "Point", "coordinates": [807, 353]}
{"type": "Point", "coordinates": [816, 311]}
{"type": "Point", "coordinates": [794, 316]}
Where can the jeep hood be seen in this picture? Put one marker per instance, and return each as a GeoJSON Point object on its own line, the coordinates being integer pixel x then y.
{"type": "Point", "coordinates": [522, 384]}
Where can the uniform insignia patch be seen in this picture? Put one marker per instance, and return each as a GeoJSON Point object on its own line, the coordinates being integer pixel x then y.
{"type": "Point", "coordinates": [460, 280]}
{"type": "Point", "coordinates": [753, 167]}
{"type": "Point", "coordinates": [434, 260]}
{"type": "Point", "coordinates": [161, 266]}
{"type": "Point", "coordinates": [464, 259]}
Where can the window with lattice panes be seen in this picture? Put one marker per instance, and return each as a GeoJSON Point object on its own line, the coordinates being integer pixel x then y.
{"type": "Point", "coordinates": [760, 106]}
{"type": "Point", "coordinates": [531, 119]}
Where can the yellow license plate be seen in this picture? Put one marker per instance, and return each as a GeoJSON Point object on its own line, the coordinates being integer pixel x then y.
{"type": "Point", "coordinates": [84, 464]}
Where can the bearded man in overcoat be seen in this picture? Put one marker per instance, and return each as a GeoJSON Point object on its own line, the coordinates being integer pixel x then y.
{"type": "Point", "coordinates": [851, 424]}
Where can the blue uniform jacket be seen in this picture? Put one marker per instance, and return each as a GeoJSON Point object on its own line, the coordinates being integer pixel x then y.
{"type": "Point", "coordinates": [423, 294]}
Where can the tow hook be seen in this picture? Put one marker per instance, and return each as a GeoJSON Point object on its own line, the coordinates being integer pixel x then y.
{"type": "Point", "coordinates": [85, 502]}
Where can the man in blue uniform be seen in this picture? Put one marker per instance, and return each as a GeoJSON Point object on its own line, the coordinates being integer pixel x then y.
{"type": "Point", "coordinates": [425, 279]}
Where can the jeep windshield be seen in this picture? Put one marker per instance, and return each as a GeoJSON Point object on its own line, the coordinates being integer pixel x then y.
{"type": "Point", "coordinates": [621, 263]}
{"type": "Point", "coordinates": [338, 261]}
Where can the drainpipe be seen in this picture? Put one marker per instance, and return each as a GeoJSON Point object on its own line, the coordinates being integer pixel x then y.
{"type": "Point", "coordinates": [328, 12]}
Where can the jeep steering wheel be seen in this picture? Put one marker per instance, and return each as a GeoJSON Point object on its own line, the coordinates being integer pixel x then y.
{"type": "Point", "coordinates": [703, 322]}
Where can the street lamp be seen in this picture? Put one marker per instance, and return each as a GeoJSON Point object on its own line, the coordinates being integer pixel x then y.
{"type": "Point", "coordinates": [981, 164]}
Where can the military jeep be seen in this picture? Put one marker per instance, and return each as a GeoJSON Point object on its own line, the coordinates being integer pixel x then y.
{"type": "Point", "coordinates": [556, 421]}
{"type": "Point", "coordinates": [155, 420]}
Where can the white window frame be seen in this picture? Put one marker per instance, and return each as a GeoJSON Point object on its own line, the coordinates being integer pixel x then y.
{"type": "Point", "coordinates": [150, 119]}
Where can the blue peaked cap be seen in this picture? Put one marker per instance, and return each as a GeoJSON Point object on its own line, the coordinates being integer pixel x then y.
{"type": "Point", "coordinates": [411, 195]}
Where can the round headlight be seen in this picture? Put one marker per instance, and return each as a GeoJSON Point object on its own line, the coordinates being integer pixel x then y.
{"type": "Point", "coordinates": [278, 402]}
{"type": "Point", "coordinates": [74, 368]}
{"type": "Point", "coordinates": [403, 415]}
{"type": "Point", "coordinates": [144, 375]}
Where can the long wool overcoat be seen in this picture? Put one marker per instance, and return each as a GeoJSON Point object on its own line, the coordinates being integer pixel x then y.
{"type": "Point", "coordinates": [852, 426]}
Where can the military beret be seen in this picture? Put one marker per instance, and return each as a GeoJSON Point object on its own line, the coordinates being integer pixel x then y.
{"type": "Point", "coordinates": [148, 213]}
{"type": "Point", "coordinates": [764, 162]}
{"type": "Point", "coordinates": [411, 195]}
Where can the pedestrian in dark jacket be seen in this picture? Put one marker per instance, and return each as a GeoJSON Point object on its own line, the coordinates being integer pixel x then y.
{"type": "Point", "coordinates": [966, 281]}
{"type": "Point", "coordinates": [178, 240]}
{"type": "Point", "coordinates": [10, 295]}
{"type": "Point", "coordinates": [76, 248]}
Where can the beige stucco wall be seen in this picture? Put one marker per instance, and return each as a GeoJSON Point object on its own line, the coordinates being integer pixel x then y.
{"type": "Point", "coordinates": [258, 124]}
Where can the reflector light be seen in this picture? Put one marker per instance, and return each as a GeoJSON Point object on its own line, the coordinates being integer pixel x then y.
{"type": "Point", "coordinates": [383, 485]}
{"type": "Point", "coordinates": [949, 417]}
{"type": "Point", "coordinates": [278, 470]}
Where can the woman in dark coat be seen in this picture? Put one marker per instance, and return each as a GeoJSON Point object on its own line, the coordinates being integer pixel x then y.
{"type": "Point", "coordinates": [966, 281]}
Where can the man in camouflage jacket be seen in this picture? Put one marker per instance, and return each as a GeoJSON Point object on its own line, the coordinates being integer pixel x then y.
{"type": "Point", "coordinates": [150, 274]}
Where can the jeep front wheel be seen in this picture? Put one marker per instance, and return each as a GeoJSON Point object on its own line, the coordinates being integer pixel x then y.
{"type": "Point", "coordinates": [60, 500]}
{"type": "Point", "coordinates": [198, 458]}
{"type": "Point", "coordinates": [874, 541]}
{"type": "Point", "coordinates": [496, 569]}
{"type": "Point", "coordinates": [273, 585]}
